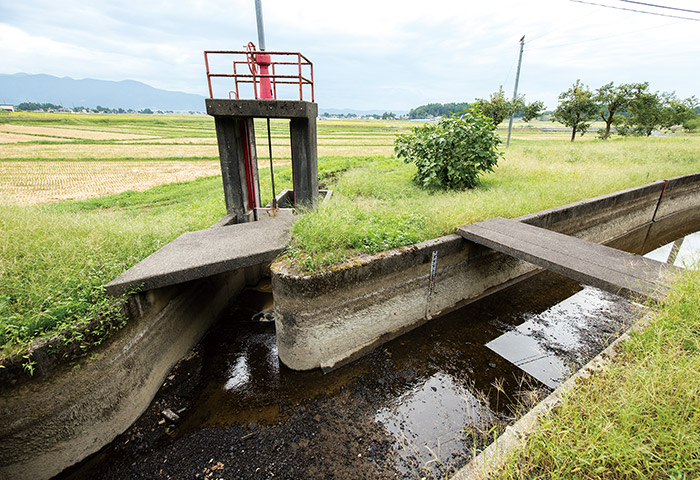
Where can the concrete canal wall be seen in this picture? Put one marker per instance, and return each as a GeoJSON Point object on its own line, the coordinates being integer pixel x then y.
{"type": "Point", "coordinates": [55, 419]}
{"type": "Point", "coordinates": [50, 422]}
{"type": "Point", "coordinates": [328, 319]}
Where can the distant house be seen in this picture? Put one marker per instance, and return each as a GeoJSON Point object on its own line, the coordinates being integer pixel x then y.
{"type": "Point", "coordinates": [8, 108]}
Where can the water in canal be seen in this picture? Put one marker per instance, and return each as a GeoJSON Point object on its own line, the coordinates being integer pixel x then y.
{"type": "Point", "coordinates": [416, 407]}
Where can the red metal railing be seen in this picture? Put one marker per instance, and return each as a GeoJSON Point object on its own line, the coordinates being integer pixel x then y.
{"type": "Point", "coordinates": [285, 62]}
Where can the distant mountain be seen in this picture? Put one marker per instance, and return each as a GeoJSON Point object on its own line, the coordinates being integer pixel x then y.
{"type": "Point", "coordinates": [69, 92]}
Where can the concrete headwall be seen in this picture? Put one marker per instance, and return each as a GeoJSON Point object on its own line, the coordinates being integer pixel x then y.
{"type": "Point", "coordinates": [48, 424]}
{"type": "Point", "coordinates": [328, 319]}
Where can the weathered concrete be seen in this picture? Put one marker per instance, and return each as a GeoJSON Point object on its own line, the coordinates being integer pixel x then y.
{"type": "Point", "coordinates": [303, 140]}
{"type": "Point", "coordinates": [49, 423]}
{"type": "Point", "coordinates": [236, 139]}
{"type": "Point", "coordinates": [236, 136]}
{"type": "Point", "coordinates": [587, 262]}
{"type": "Point", "coordinates": [205, 253]}
{"type": "Point", "coordinates": [328, 319]}
{"type": "Point", "coordinates": [261, 108]}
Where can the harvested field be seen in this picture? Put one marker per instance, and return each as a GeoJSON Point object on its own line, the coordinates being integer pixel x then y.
{"type": "Point", "coordinates": [63, 132]}
{"type": "Point", "coordinates": [106, 151]}
{"type": "Point", "coordinates": [21, 137]}
{"type": "Point", "coordinates": [79, 151]}
{"type": "Point", "coordinates": [31, 183]}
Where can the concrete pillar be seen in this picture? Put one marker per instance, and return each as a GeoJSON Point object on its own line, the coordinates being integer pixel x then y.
{"type": "Point", "coordinates": [230, 115]}
{"type": "Point", "coordinates": [230, 136]}
{"type": "Point", "coordinates": [304, 161]}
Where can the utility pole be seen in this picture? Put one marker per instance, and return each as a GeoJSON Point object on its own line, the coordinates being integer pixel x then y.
{"type": "Point", "coordinates": [261, 30]}
{"type": "Point", "coordinates": [515, 91]}
{"type": "Point", "coordinates": [264, 70]}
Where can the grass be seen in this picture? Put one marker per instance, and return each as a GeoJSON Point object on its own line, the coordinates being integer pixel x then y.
{"type": "Point", "coordinates": [55, 258]}
{"type": "Point", "coordinates": [637, 419]}
{"type": "Point", "coordinates": [376, 205]}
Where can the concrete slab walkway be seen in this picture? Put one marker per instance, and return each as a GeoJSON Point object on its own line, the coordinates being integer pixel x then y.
{"type": "Point", "coordinates": [597, 265]}
{"type": "Point", "coordinates": [208, 252]}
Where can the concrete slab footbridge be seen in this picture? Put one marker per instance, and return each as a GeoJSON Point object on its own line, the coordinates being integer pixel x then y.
{"type": "Point", "coordinates": [587, 262]}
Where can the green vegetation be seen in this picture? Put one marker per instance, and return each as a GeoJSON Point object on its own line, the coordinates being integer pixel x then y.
{"type": "Point", "coordinates": [452, 153]}
{"type": "Point", "coordinates": [55, 258]}
{"type": "Point", "coordinates": [576, 109]}
{"type": "Point", "coordinates": [437, 110]}
{"type": "Point", "coordinates": [636, 419]}
{"type": "Point", "coordinates": [376, 205]}
{"type": "Point", "coordinates": [498, 107]}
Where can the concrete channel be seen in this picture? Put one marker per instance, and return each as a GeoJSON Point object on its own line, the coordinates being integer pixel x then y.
{"type": "Point", "coordinates": [63, 415]}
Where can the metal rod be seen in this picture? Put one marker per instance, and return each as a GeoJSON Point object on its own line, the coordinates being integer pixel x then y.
{"type": "Point", "coordinates": [261, 30]}
{"type": "Point", "coordinates": [272, 170]}
{"type": "Point", "coordinates": [206, 62]}
{"type": "Point", "coordinates": [515, 91]}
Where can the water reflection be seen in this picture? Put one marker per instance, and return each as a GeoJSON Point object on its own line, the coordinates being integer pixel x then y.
{"type": "Point", "coordinates": [542, 345]}
{"type": "Point", "coordinates": [403, 409]}
{"type": "Point", "coordinates": [428, 421]}
{"type": "Point", "coordinates": [684, 252]}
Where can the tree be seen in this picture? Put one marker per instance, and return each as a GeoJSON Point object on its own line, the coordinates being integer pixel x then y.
{"type": "Point", "coordinates": [498, 107]}
{"type": "Point", "coordinates": [453, 152]}
{"type": "Point", "coordinates": [612, 102]}
{"type": "Point", "coordinates": [576, 107]}
{"type": "Point", "coordinates": [679, 112]}
{"type": "Point", "coordinates": [533, 110]}
{"type": "Point", "coordinates": [436, 110]}
{"type": "Point", "coordinates": [646, 110]}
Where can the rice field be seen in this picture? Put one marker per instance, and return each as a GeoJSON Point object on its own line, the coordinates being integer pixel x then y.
{"type": "Point", "coordinates": [47, 158]}
{"type": "Point", "coordinates": [135, 182]}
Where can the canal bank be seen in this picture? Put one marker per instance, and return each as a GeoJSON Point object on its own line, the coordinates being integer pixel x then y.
{"type": "Point", "coordinates": [53, 423]}
{"type": "Point", "coordinates": [416, 407]}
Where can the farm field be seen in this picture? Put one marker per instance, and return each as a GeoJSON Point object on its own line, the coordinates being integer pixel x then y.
{"type": "Point", "coordinates": [85, 197]}
{"type": "Point", "coordinates": [52, 157]}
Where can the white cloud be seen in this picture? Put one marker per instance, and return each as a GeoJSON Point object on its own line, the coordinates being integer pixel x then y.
{"type": "Point", "coordinates": [389, 54]}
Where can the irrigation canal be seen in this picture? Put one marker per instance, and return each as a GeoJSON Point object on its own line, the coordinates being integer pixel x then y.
{"type": "Point", "coordinates": [414, 408]}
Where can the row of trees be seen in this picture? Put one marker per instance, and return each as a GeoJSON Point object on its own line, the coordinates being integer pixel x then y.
{"type": "Point", "coordinates": [497, 107]}
{"type": "Point", "coordinates": [631, 108]}
{"type": "Point", "coordinates": [50, 107]}
{"type": "Point", "coordinates": [432, 110]}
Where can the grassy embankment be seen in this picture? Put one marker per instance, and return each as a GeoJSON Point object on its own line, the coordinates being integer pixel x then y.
{"type": "Point", "coordinates": [639, 418]}
{"type": "Point", "coordinates": [54, 258]}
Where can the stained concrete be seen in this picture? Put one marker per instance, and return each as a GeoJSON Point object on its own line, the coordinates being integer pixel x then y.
{"type": "Point", "coordinates": [597, 265]}
{"type": "Point", "coordinates": [207, 252]}
{"type": "Point", "coordinates": [50, 423]}
{"type": "Point", "coordinates": [262, 108]}
{"type": "Point", "coordinates": [328, 319]}
{"type": "Point", "coordinates": [234, 127]}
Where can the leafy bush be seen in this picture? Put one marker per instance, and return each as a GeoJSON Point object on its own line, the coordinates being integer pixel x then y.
{"type": "Point", "coordinates": [451, 153]}
{"type": "Point", "coordinates": [692, 124]}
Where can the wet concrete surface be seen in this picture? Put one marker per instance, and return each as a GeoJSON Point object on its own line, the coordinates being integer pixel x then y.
{"type": "Point", "coordinates": [419, 406]}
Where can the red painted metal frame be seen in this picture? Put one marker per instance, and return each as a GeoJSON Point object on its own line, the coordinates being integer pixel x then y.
{"type": "Point", "coordinates": [277, 59]}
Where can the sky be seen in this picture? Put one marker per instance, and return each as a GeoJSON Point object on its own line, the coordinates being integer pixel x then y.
{"type": "Point", "coordinates": [388, 55]}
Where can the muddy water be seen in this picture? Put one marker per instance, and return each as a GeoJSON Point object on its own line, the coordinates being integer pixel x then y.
{"type": "Point", "coordinates": [416, 407]}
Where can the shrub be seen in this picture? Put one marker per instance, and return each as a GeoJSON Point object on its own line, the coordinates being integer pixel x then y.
{"type": "Point", "coordinates": [692, 124]}
{"type": "Point", "coordinates": [451, 153]}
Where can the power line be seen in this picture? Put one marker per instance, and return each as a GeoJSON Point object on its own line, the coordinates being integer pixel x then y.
{"type": "Point", "coordinates": [634, 10]}
{"type": "Point", "coordinates": [602, 38]}
{"type": "Point", "coordinates": [661, 6]}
